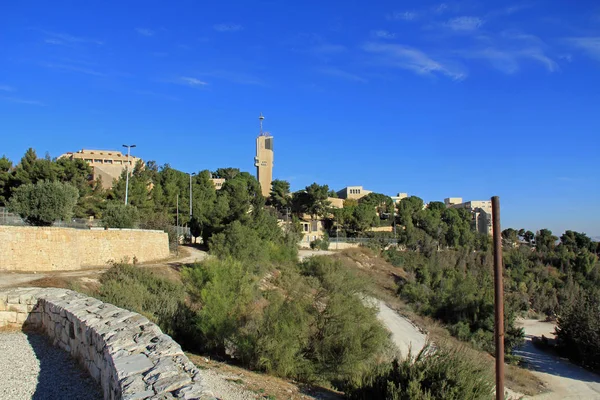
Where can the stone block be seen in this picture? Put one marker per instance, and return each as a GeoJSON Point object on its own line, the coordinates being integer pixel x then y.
{"type": "Point", "coordinates": [171, 383]}
{"type": "Point", "coordinates": [134, 364]}
{"type": "Point", "coordinates": [20, 308]}
{"type": "Point", "coordinates": [148, 394]}
{"type": "Point", "coordinates": [8, 316]}
{"type": "Point", "coordinates": [3, 305]}
{"type": "Point", "coordinates": [22, 317]}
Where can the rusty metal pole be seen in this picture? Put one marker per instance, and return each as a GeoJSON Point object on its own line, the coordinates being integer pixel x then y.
{"type": "Point", "coordinates": [499, 298]}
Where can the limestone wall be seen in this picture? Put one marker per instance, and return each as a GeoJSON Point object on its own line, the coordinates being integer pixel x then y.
{"type": "Point", "coordinates": [28, 248]}
{"type": "Point", "coordinates": [123, 351]}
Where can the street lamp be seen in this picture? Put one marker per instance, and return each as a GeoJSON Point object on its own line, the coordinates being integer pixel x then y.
{"type": "Point", "coordinates": [192, 174]}
{"type": "Point", "coordinates": [127, 180]}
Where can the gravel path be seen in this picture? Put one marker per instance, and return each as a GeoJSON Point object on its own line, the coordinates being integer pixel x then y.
{"type": "Point", "coordinates": [31, 368]}
{"type": "Point", "coordinates": [405, 334]}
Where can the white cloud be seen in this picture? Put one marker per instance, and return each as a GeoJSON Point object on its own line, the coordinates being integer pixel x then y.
{"type": "Point", "coordinates": [402, 16]}
{"type": "Point", "coordinates": [144, 31]}
{"type": "Point", "coordinates": [464, 24]}
{"type": "Point", "coordinates": [57, 38]}
{"type": "Point", "coordinates": [194, 82]}
{"type": "Point", "coordinates": [342, 74]}
{"type": "Point", "coordinates": [227, 27]}
{"type": "Point", "coordinates": [383, 34]}
{"type": "Point", "coordinates": [412, 59]}
{"type": "Point", "coordinates": [440, 8]}
{"type": "Point", "coordinates": [17, 100]}
{"type": "Point", "coordinates": [6, 88]}
{"type": "Point", "coordinates": [74, 68]}
{"type": "Point", "coordinates": [508, 60]}
{"type": "Point", "coordinates": [590, 45]}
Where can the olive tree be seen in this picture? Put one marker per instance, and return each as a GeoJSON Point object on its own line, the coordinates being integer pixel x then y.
{"type": "Point", "coordinates": [44, 202]}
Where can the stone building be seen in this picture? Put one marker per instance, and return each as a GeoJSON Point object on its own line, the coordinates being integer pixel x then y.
{"type": "Point", "coordinates": [263, 161]}
{"type": "Point", "coordinates": [106, 164]}
{"type": "Point", "coordinates": [352, 192]}
{"type": "Point", "coordinates": [481, 211]}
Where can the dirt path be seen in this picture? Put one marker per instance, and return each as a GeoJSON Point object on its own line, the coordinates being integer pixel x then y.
{"type": "Point", "coordinates": [564, 379]}
{"type": "Point", "coordinates": [405, 335]}
{"type": "Point", "coordinates": [188, 255]}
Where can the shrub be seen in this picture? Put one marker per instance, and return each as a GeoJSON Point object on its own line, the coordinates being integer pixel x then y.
{"type": "Point", "coordinates": [320, 244]}
{"type": "Point", "coordinates": [44, 203]}
{"type": "Point", "coordinates": [139, 290]}
{"type": "Point", "coordinates": [163, 222]}
{"type": "Point", "coordinates": [443, 373]}
{"type": "Point", "coordinates": [119, 215]}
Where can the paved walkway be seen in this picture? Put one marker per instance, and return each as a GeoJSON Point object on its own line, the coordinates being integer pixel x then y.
{"type": "Point", "coordinates": [31, 368]}
{"type": "Point", "coordinates": [565, 380]}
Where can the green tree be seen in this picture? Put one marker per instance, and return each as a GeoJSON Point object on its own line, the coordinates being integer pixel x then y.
{"type": "Point", "coordinates": [119, 215]}
{"type": "Point", "coordinates": [510, 237]}
{"type": "Point", "coordinates": [43, 203]}
{"type": "Point", "coordinates": [545, 240]}
{"type": "Point", "coordinates": [280, 194]}
{"type": "Point", "coordinates": [226, 173]}
{"type": "Point", "coordinates": [312, 200]}
{"type": "Point", "coordinates": [5, 172]}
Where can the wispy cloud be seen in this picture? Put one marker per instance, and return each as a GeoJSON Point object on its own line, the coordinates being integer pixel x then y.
{"type": "Point", "coordinates": [6, 88]}
{"type": "Point", "coordinates": [383, 34]}
{"type": "Point", "coordinates": [508, 60]}
{"type": "Point", "coordinates": [145, 31]}
{"type": "Point", "coordinates": [241, 78]}
{"type": "Point", "coordinates": [58, 38]}
{"type": "Point", "coordinates": [441, 8]}
{"type": "Point", "coordinates": [17, 100]}
{"type": "Point", "coordinates": [590, 45]}
{"type": "Point", "coordinates": [412, 59]}
{"type": "Point", "coordinates": [74, 68]}
{"type": "Point", "coordinates": [228, 27]}
{"type": "Point", "coordinates": [464, 24]}
{"type": "Point", "coordinates": [338, 73]}
{"type": "Point", "coordinates": [402, 16]}
{"type": "Point", "coordinates": [193, 82]}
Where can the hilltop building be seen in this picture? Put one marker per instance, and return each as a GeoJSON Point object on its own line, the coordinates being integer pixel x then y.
{"type": "Point", "coordinates": [106, 164]}
{"type": "Point", "coordinates": [218, 182]}
{"type": "Point", "coordinates": [399, 197]}
{"type": "Point", "coordinates": [451, 201]}
{"type": "Point", "coordinates": [352, 192]}
{"type": "Point", "coordinates": [264, 159]}
{"type": "Point", "coordinates": [481, 211]}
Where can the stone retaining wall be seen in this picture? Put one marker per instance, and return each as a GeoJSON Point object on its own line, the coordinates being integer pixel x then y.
{"type": "Point", "coordinates": [123, 351]}
{"type": "Point", "coordinates": [29, 248]}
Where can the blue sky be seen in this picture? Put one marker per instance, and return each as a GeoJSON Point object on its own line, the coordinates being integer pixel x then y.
{"type": "Point", "coordinates": [437, 99]}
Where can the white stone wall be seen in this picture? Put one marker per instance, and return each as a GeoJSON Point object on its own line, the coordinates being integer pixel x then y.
{"type": "Point", "coordinates": [124, 352]}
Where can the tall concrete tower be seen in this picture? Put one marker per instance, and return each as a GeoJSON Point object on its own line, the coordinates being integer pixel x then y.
{"type": "Point", "coordinates": [264, 159]}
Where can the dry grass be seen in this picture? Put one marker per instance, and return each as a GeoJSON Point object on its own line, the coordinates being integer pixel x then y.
{"type": "Point", "coordinates": [265, 386]}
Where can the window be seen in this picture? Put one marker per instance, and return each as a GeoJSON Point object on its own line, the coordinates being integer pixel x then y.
{"type": "Point", "coordinates": [88, 160]}
{"type": "Point", "coordinates": [97, 160]}
{"type": "Point", "coordinates": [108, 161]}
{"type": "Point", "coordinates": [118, 162]}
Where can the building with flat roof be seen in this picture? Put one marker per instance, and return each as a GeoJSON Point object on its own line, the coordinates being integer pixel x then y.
{"type": "Point", "coordinates": [263, 161]}
{"type": "Point", "coordinates": [352, 192]}
{"type": "Point", "coordinates": [399, 197]}
{"type": "Point", "coordinates": [450, 201]}
{"type": "Point", "coordinates": [482, 214]}
{"type": "Point", "coordinates": [218, 182]}
{"type": "Point", "coordinates": [106, 164]}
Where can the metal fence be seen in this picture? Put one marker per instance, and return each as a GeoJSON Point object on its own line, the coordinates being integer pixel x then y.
{"type": "Point", "coordinates": [362, 240]}
{"type": "Point", "coordinates": [8, 218]}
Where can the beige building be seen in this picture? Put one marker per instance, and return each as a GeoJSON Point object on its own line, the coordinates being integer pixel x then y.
{"type": "Point", "coordinates": [482, 214]}
{"type": "Point", "coordinates": [264, 160]}
{"type": "Point", "coordinates": [336, 202]}
{"type": "Point", "coordinates": [353, 192]}
{"type": "Point", "coordinates": [218, 182]}
{"type": "Point", "coordinates": [106, 164]}
{"type": "Point", "coordinates": [399, 197]}
{"type": "Point", "coordinates": [451, 201]}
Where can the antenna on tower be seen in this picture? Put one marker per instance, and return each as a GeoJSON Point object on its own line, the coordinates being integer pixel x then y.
{"type": "Point", "coordinates": [261, 118]}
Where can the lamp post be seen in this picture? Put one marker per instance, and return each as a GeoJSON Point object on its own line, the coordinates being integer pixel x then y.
{"type": "Point", "coordinates": [127, 166]}
{"type": "Point", "coordinates": [191, 174]}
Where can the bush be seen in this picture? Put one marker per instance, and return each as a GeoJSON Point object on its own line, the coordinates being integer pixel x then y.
{"type": "Point", "coordinates": [139, 290]}
{"type": "Point", "coordinates": [163, 222]}
{"type": "Point", "coordinates": [445, 374]}
{"type": "Point", "coordinates": [320, 244]}
{"type": "Point", "coordinates": [44, 203]}
{"type": "Point", "coordinates": [119, 215]}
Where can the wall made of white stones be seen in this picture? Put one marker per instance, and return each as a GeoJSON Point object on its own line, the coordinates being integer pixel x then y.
{"type": "Point", "coordinates": [123, 351]}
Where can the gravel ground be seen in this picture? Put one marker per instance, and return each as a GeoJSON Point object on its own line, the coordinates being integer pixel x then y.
{"type": "Point", "coordinates": [226, 389]}
{"type": "Point", "coordinates": [31, 368]}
